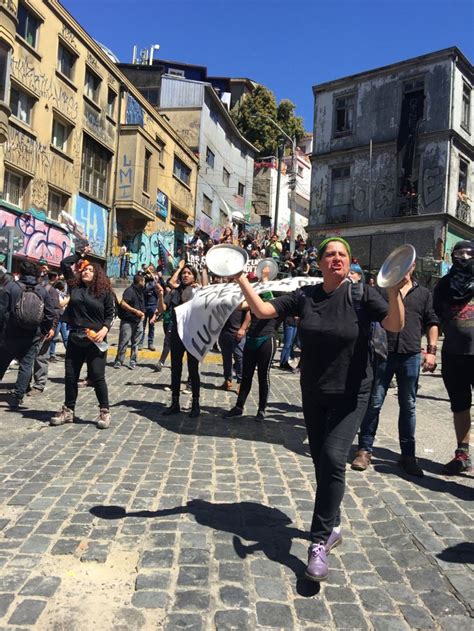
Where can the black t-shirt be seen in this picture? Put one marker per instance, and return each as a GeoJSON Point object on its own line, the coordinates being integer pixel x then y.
{"type": "Point", "coordinates": [233, 322]}
{"type": "Point", "coordinates": [134, 297]}
{"type": "Point", "coordinates": [259, 328]}
{"type": "Point", "coordinates": [334, 348]}
{"type": "Point", "coordinates": [457, 320]}
{"type": "Point", "coordinates": [177, 297]}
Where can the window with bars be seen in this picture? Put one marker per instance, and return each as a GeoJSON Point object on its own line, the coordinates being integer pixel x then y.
{"type": "Point", "coordinates": [181, 171]}
{"type": "Point", "coordinates": [28, 25]}
{"type": "Point", "coordinates": [21, 105]}
{"type": "Point", "coordinates": [94, 169]}
{"type": "Point", "coordinates": [60, 135]}
{"type": "Point", "coordinates": [66, 61]}
{"type": "Point", "coordinates": [146, 170]}
{"type": "Point", "coordinates": [92, 86]}
{"type": "Point", "coordinates": [13, 188]}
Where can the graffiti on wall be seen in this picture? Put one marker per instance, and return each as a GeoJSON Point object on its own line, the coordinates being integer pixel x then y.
{"type": "Point", "coordinates": [40, 239]}
{"type": "Point", "coordinates": [134, 114]}
{"type": "Point", "coordinates": [44, 86]}
{"type": "Point", "coordinates": [94, 220]}
{"type": "Point", "coordinates": [97, 124]}
{"type": "Point", "coordinates": [125, 178]}
{"type": "Point", "coordinates": [144, 249]}
{"type": "Point", "coordinates": [206, 224]}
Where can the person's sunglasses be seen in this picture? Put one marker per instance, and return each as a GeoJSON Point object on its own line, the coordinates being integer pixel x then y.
{"type": "Point", "coordinates": [464, 253]}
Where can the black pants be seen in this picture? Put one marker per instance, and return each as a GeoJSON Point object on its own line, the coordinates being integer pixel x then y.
{"type": "Point", "coordinates": [332, 423]}
{"type": "Point", "coordinates": [24, 349]}
{"type": "Point", "coordinates": [166, 342]}
{"type": "Point", "coordinates": [95, 359]}
{"type": "Point", "coordinates": [177, 353]}
{"type": "Point", "coordinates": [260, 358]}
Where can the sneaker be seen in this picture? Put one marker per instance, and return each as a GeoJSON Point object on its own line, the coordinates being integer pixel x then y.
{"type": "Point", "coordinates": [461, 463]}
{"type": "Point", "coordinates": [410, 466]}
{"type": "Point", "coordinates": [132, 366]}
{"type": "Point", "coordinates": [116, 365]}
{"type": "Point", "coordinates": [235, 411]}
{"type": "Point", "coordinates": [362, 460]}
{"type": "Point", "coordinates": [227, 385]}
{"type": "Point", "coordinates": [151, 347]}
{"type": "Point", "coordinates": [159, 367]}
{"type": "Point", "coordinates": [65, 415]}
{"type": "Point", "coordinates": [260, 416]}
{"type": "Point", "coordinates": [104, 419]}
{"type": "Point", "coordinates": [34, 392]}
{"type": "Point", "coordinates": [187, 388]}
{"type": "Point", "coordinates": [335, 538]}
{"type": "Point", "coordinates": [317, 568]}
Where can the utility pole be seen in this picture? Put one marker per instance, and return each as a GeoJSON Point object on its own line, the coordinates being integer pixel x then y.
{"type": "Point", "coordinates": [293, 194]}
{"type": "Point", "coordinates": [277, 200]}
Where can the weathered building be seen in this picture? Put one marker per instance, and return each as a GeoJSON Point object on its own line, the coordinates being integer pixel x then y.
{"type": "Point", "coordinates": [71, 112]}
{"type": "Point", "coordinates": [198, 110]}
{"type": "Point", "coordinates": [393, 158]}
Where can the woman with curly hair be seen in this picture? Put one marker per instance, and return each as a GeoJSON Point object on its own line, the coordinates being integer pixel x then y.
{"type": "Point", "coordinates": [89, 313]}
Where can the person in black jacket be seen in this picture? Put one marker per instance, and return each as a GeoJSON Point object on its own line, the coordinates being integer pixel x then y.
{"type": "Point", "coordinates": [89, 313]}
{"type": "Point", "coordinates": [131, 314]}
{"type": "Point", "coordinates": [22, 342]}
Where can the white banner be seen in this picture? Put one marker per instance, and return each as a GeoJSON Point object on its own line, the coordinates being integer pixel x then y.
{"type": "Point", "coordinates": [200, 320]}
{"type": "Point", "coordinates": [198, 262]}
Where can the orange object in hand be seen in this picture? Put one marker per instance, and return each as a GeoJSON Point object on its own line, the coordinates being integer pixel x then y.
{"type": "Point", "coordinates": [91, 334]}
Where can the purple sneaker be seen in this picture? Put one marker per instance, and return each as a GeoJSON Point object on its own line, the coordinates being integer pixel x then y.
{"type": "Point", "coordinates": [335, 538]}
{"type": "Point", "coordinates": [317, 568]}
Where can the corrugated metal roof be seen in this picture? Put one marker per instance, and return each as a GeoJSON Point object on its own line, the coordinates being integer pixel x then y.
{"type": "Point", "coordinates": [181, 93]}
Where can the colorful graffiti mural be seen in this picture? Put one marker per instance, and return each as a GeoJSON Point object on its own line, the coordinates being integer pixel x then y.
{"type": "Point", "coordinates": [93, 219]}
{"type": "Point", "coordinates": [40, 239]}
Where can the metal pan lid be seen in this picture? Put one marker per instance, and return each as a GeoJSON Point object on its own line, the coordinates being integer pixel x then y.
{"type": "Point", "coordinates": [272, 264]}
{"type": "Point", "coordinates": [396, 266]}
{"type": "Point", "coordinates": [226, 260]}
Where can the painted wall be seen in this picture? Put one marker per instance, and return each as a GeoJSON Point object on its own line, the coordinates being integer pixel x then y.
{"type": "Point", "coordinates": [94, 219]}
{"type": "Point", "coordinates": [40, 239]}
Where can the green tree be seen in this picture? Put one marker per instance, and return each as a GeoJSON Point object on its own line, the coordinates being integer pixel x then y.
{"type": "Point", "coordinates": [252, 114]}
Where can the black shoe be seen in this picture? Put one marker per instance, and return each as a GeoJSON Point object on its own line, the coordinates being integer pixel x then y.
{"type": "Point", "coordinates": [235, 411]}
{"type": "Point", "coordinates": [410, 466]}
{"type": "Point", "coordinates": [260, 416]}
{"type": "Point", "coordinates": [195, 409]}
{"type": "Point", "coordinates": [14, 402]}
{"type": "Point", "coordinates": [174, 408]}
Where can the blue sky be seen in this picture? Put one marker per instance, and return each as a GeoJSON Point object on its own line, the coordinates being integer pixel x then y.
{"type": "Point", "coordinates": [288, 45]}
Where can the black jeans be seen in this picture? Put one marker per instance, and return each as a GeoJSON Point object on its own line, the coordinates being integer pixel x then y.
{"type": "Point", "coordinates": [24, 349]}
{"type": "Point", "coordinates": [95, 359]}
{"type": "Point", "coordinates": [260, 358]}
{"type": "Point", "coordinates": [232, 349]}
{"type": "Point", "coordinates": [332, 422]}
{"type": "Point", "coordinates": [166, 342]}
{"type": "Point", "coordinates": [177, 353]}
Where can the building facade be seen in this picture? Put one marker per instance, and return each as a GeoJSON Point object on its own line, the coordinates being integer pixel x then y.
{"type": "Point", "coordinates": [393, 159]}
{"type": "Point", "coordinates": [198, 110]}
{"type": "Point", "coordinates": [71, 142]}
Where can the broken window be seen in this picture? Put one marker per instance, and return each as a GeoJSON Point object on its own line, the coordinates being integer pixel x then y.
{"type": "Point", "coordinates": [344, 115]}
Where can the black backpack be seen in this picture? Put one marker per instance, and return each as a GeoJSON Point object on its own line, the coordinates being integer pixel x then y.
{"type": "Point", "coordinates": [29, 308]}
{"type": "Point", "coordinates": [378, 343]}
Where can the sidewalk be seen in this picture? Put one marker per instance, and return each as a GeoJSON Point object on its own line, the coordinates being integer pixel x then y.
{"type": "Point", "coordinates": [177, 523]}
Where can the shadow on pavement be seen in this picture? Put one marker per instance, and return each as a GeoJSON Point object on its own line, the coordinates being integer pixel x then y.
{"type": "Point", "coordinates": [460, 553]}
{"type": "Point", "coordinates": [269, 528]}
{"type": "Point", "coordinates": [276, 429]}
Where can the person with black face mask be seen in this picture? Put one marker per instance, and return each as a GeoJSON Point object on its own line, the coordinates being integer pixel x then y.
{"type": "Point", "coordinates": [453, 302]}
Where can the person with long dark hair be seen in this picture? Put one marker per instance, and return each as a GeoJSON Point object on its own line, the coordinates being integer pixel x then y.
{"type": "Point", "coordinates": [336, 377]}
{"type": "Point", "coordinates": [183, 280]}
{"type": "Point", "coordinates": [89, 313]}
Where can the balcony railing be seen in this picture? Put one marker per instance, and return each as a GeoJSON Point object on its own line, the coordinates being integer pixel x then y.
{"type": "Point", "coordinates": [463, 211]}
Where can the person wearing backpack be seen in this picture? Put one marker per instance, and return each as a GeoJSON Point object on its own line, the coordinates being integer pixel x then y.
{"type": "Point", "coordinates": [89, 313]}
{"type": "Point", "coordinates": [404, 361]}
{"type": "Point", "coordinates": [31, 321]}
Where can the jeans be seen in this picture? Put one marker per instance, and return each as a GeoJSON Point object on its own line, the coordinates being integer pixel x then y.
{"type": "Point", "coordinates": [166, 342]}
{"type": "Point", "coordinates": [149, 313]}
{"type": "Point", "coordinates": [177, 354]}
{"type": "Point", "coordinates": [63, 330]}
{"type": "Point", "coordinates": [332, 422]}
{"type": "Point", "coordinates": [232, 349]}
{"type": "Point", "coordinates": [75, 357]}
{"type": "Point", "coordinates": [406, 368]}
{"type": "Point", "coordinates": [260, 358]}
{"type": "Point", "coordinates": [41, 366]}
{"type": "Point", "coordinates": [24, 349]}
{"type": "Point", "coordinates": [129, 331]}
{"type": "Point", "coordinates": [289, 340]}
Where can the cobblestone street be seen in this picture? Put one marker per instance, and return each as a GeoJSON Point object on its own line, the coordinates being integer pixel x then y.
{"type": "Point", "coordinates": [178, 523]}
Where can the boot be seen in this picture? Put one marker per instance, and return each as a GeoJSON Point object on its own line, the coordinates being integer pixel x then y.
{"type": "Point", "coordinates": [195, 409]}
{"type": "Point", "coordinates": [104, 419]}
{"type": "Point", "coordinates": [174, 408]}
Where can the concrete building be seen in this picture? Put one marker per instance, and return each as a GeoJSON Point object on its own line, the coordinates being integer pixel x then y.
{"type": "Point", "coordinates": [393, 159]}
{"type": "Point", "coordinates": [82, 139]}
{"type": "Point", "coordinates": [199, 111]}
{"type": "Point", "coordinates": [9, 22]}
{"type": "Point", "coordinates": [265, 190]}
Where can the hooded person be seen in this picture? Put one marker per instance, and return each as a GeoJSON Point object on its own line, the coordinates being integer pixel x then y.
{"type": "Point", "coordinates": [453, 302]}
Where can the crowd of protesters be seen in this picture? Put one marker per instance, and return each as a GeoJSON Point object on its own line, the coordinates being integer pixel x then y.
{"type": "Point", "coordinates": [353, 338]}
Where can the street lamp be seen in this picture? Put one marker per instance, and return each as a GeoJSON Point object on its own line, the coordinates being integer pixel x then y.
{"type": "Point", "coordinates": [292, 184]}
